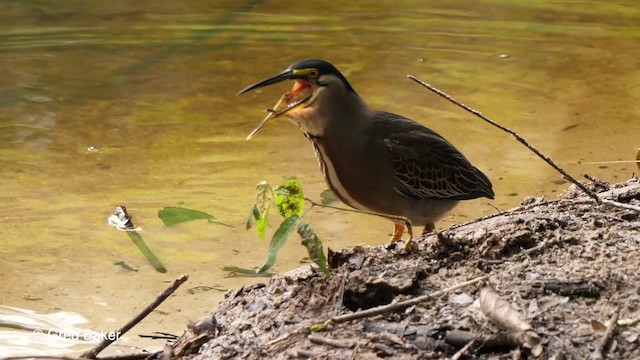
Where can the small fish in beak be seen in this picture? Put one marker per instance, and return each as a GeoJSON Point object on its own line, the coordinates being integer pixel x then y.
{"type": "Point", "coordinates": [301, 92]}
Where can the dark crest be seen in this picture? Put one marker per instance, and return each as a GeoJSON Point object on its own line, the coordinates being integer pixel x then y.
{"type": "Point", "coordinates": [324, 67]}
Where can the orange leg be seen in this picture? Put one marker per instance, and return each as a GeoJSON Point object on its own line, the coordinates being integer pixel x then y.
{"type": "Point", "coordinates": [398, 231]}
{"type": "Point", "coordinates": [407, 246]}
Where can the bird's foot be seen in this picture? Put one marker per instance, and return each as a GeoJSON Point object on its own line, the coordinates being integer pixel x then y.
{"type": "Point", "coordinates": [410, 246]}
{"type": "Point", "coordinates": [398, 231]}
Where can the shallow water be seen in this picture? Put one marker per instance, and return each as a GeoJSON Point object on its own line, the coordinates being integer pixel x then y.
{"type": "Point", "coordinates": [104, 103]}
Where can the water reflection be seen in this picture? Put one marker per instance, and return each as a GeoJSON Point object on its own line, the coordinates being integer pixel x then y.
{"type": "Point", "coordinates": [152, 87]}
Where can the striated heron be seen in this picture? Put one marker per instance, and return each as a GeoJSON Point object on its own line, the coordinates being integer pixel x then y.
{"type": "Point", "coordinates": [374, 161]}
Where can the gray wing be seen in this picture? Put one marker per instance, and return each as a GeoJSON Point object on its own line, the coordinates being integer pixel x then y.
{"type": "Point", "coordinates": [428, 166]}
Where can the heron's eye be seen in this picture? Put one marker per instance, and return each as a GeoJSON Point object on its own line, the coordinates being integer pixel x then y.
{"type": "Point", "coordinates": [313, 74]}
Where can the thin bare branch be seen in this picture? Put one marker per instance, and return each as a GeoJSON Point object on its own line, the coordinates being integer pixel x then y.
{"type": "Point", "coordinates": [620, 205]}
{"type": "Point", "coordinates": [401, 304]}
{"type": "Point", "coordinates": [108, 340]}
{"type": "Point", "coordinates": [518, 137]}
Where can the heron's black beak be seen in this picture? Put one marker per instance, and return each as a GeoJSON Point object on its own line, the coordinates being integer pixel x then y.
{"type": "Point", "coordinates": [285, 75]}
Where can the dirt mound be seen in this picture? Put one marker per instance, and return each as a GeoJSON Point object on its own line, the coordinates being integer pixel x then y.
{"type": "Point", "coordinates": [566, 266]}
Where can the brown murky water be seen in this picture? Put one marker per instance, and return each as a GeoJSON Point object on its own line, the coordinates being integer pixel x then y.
{"type": "Point", "coordinates": [104, 103]}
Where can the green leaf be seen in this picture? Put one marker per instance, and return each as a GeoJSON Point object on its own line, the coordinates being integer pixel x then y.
{"type": "Point", "coordinates": [626, 322]}
{"type": "Point", "coordinates": [260, 210]}
{"type": "Point", "coordinates": [314, 246]}
{"type": "Point", "coordinates": [261, 224]}
{"type": "Point", "coordinates": [289, 199]}
{"type": "Point", "coordinates": [279, 239]}
{"type": "Point", "coordinates": [146, 251]}
{"type": "Point", "coordinates": [171, 215]}
{"type": "Point", "coordinates": [264, 196]}
{"type": "Point", "coordinates": [320, 326]}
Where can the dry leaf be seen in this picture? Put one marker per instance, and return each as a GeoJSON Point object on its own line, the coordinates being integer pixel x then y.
{"type": "Point", "coordinates": [505, 316]}
{"type": "Point", "coordinates": [501, 312]}
{"type": "Point", "coordinates": [597, 326]}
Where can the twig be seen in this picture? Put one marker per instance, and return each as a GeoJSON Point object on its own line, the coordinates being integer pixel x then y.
{"type": "Point", "coordinates": [354, 353]}
{"type": "Point", "coordinates": [462, 338]}
{"type": "Point", "coordinates": [108, 340]}
{"type": "Point", "coordinates": [543, 244]}
{"type": "Point", "coordinates": [331, 342]}
{"type": "Point", "coordinates": [279, 339]}
{"type": "Point", "coordinates": [401, 304]}
{"type": "Point", "coordinates": [611, 202]}
{"type": "Point", "coordinates": [602, 162]}
{"type": "Point", "coordinates": [463, 350]}
{"type": "Point", "coordinates": [596, 181]}
{"type": "Point", "coordinates": [454, 337]}
{"type": "Point", "coordinates": [601, 350]}
{"type": "Point", "coordinates": [548, 160]}
{"type": "Point", "coordinates": [620, 205]}
{"type": "Point", "coordinates": [306, 354]}
{"type": "Point", "coordinates": [518, 137]}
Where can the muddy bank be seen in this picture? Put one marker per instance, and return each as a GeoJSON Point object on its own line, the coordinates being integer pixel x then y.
{"type": "Point", "coordinates": [566, 266]}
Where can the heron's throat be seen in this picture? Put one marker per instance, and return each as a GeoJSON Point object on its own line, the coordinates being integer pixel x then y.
{"type": "Point", "coordinates": [300, 96]}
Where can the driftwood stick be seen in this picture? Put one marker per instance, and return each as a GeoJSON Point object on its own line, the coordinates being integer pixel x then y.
{"type": "Point", "coordinates": [91, 354]}
{"type": "Point", "coordinates": [401, 304]}
{"type": "Point", "coordinates": [518, 137]}
{"type": "Point", "coordinates": [601, 351]}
